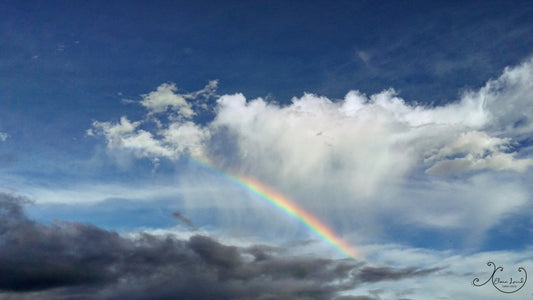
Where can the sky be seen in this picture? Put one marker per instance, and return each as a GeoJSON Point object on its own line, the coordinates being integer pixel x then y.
{"type": "Point", "coordinates": [342, 150]}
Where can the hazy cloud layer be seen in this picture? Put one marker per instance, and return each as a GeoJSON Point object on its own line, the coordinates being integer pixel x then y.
{"type": "Point", "coordinates": [85, 262]}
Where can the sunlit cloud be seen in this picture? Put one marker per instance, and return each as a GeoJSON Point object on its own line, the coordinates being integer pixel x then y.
{"type": "Point", "coordinates": [361, 157]}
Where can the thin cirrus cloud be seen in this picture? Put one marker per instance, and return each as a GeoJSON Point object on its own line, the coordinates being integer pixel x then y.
{"type": "Point", "coordinates": [369, 156]}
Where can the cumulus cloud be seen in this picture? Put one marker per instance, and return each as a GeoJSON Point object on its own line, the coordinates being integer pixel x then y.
{"type": "Point", "coordinates": [166, 98]}
{"type": "Point", "coordinates": [180, 137]}
{"type": "Point", "coordinates": [124, 134]}
{"type": "Point", "coordinates": [348, 130]}
{"type": "Point", "coordinates": [358, 156]}
{"type": "Point", "coordinates": [3, 136]}
{"type": "Point", "coordinates": [72, 260]}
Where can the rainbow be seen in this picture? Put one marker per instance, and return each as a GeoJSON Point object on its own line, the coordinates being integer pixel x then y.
{"type": "Point", "coordinates": [292, 209]}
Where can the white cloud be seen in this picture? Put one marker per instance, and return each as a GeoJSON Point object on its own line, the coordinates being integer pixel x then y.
{"type": "Point", "coordinates": [181, 136]}
{"type": "Point", "coordinates": [177, 139]}
{"type": "Point", "coordinates": [126, 135]}
{"type": "Point", "coordinates": [361, 157]}
{"type": "Point", "coordinates": [476, 203]}
{"type": "Point", "coordinates": [477, 151]}
{"type": "Point", "coordinates": [509, 100]}
{"type": "Point", "coordinates": [497, 161]}
{"type": "Point", "coordinates": [164, 98]}
{"type": "Point", "coordinates": [99, 192]}
{"type": "Point", "coordinates": [361, 143]}
{"type": "Point", "coordinates": [3, 136]}
{"type": "Point", "coordinates": [185, 137]}
{"type": "Point", "coordinates": [114, 133]}
{"type": "Point", "coordinates": [454, 281]}
{"type": "Point", "coordinates": [382, 128]}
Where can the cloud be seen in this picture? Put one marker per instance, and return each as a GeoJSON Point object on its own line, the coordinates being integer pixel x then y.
{"type": "Point", "coordinates": [383, 125]}
{"type": "Point", "coordinates": [180, 137]}
{"type": "Point", "coordinates": [478, 151]}
{"type": "Point", "coordinates": [184, 220]}
{"type": "Point", "coordinates": [454, 281]}
{"type": "Point", "coordinates": [359, 160]}
{"type": "Point", "coordinates": [73, 260]}
{"type": "Point", "coordinates": [357, 298]}
{"type": "Point", "coordinates": [3, 136]}
{"type": "Point", "coordinates": [96, 192]}
{"type": "Point", "coordinates": [373, 274]}
{"type": "Point", "coordinates": [124, 134]}
{"type": "Point", "coordinates": [165, 98]}
{"type": "Point", "coordinates": [364, 56]}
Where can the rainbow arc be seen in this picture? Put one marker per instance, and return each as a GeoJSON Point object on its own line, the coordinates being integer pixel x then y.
{"type": "Point", "coordinates": [282, 203]}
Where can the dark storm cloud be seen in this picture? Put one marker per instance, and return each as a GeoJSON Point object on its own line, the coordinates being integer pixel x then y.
{"type": "Point", "coordinates": [80, 261]}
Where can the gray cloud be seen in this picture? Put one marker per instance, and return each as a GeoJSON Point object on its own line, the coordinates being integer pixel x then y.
{"type": "Point", "coordinates": [184, 220]}
{"type": "Point", "coordinates": [80, 261]}
{"type": "Point", "coordinates": [357, 298]}
{"type": "Point", "coordinates": [373, 274]}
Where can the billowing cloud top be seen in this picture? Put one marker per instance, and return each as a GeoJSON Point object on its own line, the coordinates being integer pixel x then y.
{"type": "Point", "coordinates": [363, 154]}
{"type": "Point", "coordinates": [365, 134]}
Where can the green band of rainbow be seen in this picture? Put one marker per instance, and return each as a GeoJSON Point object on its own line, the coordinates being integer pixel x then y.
{"type": "Point", "coordinates": [292, 209]}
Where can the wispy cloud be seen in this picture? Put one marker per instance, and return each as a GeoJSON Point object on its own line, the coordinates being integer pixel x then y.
{"type": "Point", "coordinates": [3, 136]}
{"type": "Point", "coordinates": [186, 221]}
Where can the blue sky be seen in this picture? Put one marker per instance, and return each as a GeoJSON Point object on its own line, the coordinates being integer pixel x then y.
{"type": "Point", "coordinates": [404, 126]}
